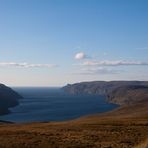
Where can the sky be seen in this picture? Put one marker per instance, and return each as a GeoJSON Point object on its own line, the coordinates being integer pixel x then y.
{"type": "Point", "coordinates": [56, 42]}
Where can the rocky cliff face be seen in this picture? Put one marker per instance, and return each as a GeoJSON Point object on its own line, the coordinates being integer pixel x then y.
{"type": "Point", "coordinates": [119, 92]}
{"type": "Point", "coordinates": [128, 95]}
{"type": "Point", "coordinates": [8, 98]}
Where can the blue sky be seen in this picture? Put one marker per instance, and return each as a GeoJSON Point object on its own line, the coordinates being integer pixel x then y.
{"type": "Point", "coordinates": [55, 42]}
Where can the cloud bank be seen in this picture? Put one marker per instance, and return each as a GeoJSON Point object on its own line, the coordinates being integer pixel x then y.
{"type": "Point", "coordinates": [94, 67]}
{"type": "Point", "coordinates": [26, 65]}
{"type": "Point", "coordinates": [112, 63]}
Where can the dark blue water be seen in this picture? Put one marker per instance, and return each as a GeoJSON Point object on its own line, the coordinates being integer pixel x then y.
{"type": "Point", "coordinates": [52, 104]}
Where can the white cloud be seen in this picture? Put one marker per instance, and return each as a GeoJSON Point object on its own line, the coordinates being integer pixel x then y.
{"type": "Point", "coordinates": [26, 65]}
{"type": "Point", "coordinates": [80, 56]}
{"type": "Point", "coordinates": [112, 63]}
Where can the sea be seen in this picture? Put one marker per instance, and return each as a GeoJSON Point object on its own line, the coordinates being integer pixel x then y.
{"type": "Point", "coordinates": [45, 104]}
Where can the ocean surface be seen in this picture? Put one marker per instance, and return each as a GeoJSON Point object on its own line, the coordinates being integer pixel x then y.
{"type": "Point", "coordinates": [52, 104]}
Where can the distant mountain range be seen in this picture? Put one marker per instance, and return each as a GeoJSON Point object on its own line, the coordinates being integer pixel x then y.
{"type": "Point", "coordinates": [8, 98]}
{"type": "Point", "coordinates": [118, 92]}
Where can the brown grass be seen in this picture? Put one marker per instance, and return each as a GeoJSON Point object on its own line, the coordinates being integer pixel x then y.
{"type": "Point", "coordinates": [143, 144]}
{"type": "Point", "coordinates": [126, 127]}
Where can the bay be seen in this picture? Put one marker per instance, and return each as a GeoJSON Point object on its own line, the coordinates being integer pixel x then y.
{"type": "Point", "coordinates": [42, 104]}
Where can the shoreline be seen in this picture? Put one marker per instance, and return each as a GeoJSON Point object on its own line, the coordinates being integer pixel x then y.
{"type": "Point", "coordinates": [4, 121]}
{"type": "Point", "coordinates": [68, 120]}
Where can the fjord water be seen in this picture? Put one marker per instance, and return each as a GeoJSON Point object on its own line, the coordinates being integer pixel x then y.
{"type": "Point", "coordinates": [52, 104]}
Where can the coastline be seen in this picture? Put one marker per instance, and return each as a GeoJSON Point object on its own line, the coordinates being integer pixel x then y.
{"type": "Point", "coordinates": [98, 108]}
{"type": "Point", "coordinates": [2, 121]}
{"type": "Point", "coordinates": [125, 126]}
{"type": "Point", "coordinates": [128, 119]}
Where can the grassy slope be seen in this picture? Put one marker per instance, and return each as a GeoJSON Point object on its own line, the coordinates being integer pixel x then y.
{"type": "Point", "coordinates": [125, 127]}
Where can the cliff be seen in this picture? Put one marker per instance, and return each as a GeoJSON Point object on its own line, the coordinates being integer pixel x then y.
{"type": "Point", "coordinates": [8, 98]}
{"type": "Point", "coordinates": [118, 92]}
{"type": "Point", "coordinates": [127, 95]}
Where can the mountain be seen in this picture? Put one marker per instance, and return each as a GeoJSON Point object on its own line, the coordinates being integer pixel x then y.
{"type": "Point", "coordinates": [8, 98]}
{"type": "Point", "coordinates": [118, 92]}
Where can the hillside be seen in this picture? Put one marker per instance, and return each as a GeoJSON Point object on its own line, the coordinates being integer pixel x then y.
{"type": "Point", "coordinates": [125, 95]}
{"type": "Point", "coordinates": [8, 98]}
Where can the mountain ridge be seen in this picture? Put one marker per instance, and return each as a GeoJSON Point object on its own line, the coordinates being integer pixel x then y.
{"type": "Point", "coordinates": [118, 92]}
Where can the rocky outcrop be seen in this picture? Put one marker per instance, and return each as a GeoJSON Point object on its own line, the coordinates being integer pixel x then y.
{"type": "Point", "coordinates": [8, 98]}
{"type": "Point", "coordinates": [118, 92]}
